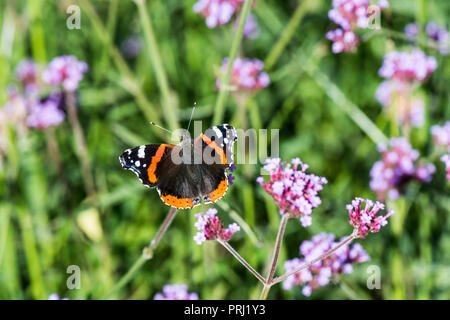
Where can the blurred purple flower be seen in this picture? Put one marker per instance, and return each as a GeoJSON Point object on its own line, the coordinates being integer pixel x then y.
{"type": "Point", "coordinates": [251, 28]}
{"type": "Point", "coordinates": [322, 272]}
{"type": "Point", "coordinates": [441, 135]}
{"type": "Point", "coordinates": [365, 219]}
{"type": "Point", "coordinates": [440, 36]}
{"type": "Point", "coordinates": [217, 12]}
{"type": "Point", "coordinates": [412, 30]}
{"type": "Point", "coordinates": [246, 74]}
{"type": "Point", "coordinates": [397, 167]}
{"type": "Point", "coordinates": [210, 227]}
{"type": "Point", "coordinates": [27, 72]}
{"type": "Point", "coordinates": [446, 160]}
{"type": "Point", "coordinates": [45, 114]}
{"type": "Point", "coordinates": [131, 47]}
{"type": "Point", "coordinates": [175, 292]}
{"type": "Point", "coordinates": [55, 296]}
{"type": "Point", "coordinates": [295, 192]}
{"type": "Point", "coordinates": [66, 71]}
{"type": "Point", "coordinates": [407, 66]}
{"type": "Point", "coordinates": [343, 41]}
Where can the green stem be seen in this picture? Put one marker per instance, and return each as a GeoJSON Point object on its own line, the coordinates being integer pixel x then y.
{"type": "Point", "coordinates": [225, 81]}
{"type": "Point", "coordinates": [287, 34]}
{"type": "Point", "coordinates": [241, 260]}
{"type": "Point", "coordinates": [147, 254]}
{"type": "Point", "coordinates": [161, 77]}
{"type": "Point", "coordinates": [276, 252]}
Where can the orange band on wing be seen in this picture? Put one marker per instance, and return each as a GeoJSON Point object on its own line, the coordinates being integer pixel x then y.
{"type": "Point", "coordinates": [180, 203]}
{"type": "Point", "coordinates": [213, 145]}
{"type": "Point", "coordinates": [155, 160]}
{"type": "Point", "coordinates": [220, 191]}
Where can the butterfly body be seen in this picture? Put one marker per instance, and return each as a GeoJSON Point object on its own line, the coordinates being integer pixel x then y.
{"type": "Point", "coordinates": [184, 175]}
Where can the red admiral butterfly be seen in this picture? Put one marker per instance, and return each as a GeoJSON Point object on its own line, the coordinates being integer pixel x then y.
{"type": "Point", "coordinates": [185, 185]}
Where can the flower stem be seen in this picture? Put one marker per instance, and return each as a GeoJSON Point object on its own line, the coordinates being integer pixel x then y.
{"type": "Point", "coordinates": [224, 85]}
{"type": "Point", "coordinates": [241, 260]}
{"type": "Point", "coordinates": [321, 257]}
{"type": "Point", "coordinates": [161, 77]}
{"type": "Point", "coordinates": [80, 143]}
{"type": "Point", "coordinates": [287, 34]}
{"type": "Point", "coordinates": [276, 252]}
{"type": "Point", "coordinates": [147, 254]}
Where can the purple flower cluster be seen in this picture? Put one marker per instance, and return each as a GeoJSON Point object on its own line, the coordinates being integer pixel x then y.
{"type": "Point", "coordinates": [295, 191]}
{"type": "Point", "coordinates": [251, 27]}
{"type": "Point", "coordinates": [403, 70]}
{"type": "Point", "coordinates": [217, 12]}
{"type": "Point", "coordinates": [55, 296]}
{"type": "Point", "coordinates": [349, 15]}
{"type": "Point", "coordinates": [30, 104]}
{"type": "Point", "coordinates": [396, 96]}
{"type": "Point", "coordinates": [66, 71]}
{"type": "Point", "coordinates": [210, 227]}
{"type": "Point", "coordinates": [439, 35]}
{"type": "Point", "coordinates": [397, 167]}
{"type": "Point", "coordinates": [175, 292]}
{"type": "Point", "coordinates": [365, 220]}
{"type": "Point", "coordinates": [407, 66]}
{"type": "Point", "coordinates": [446, 160]}
{"type": "Point", "coordinates": [246, 74]}
{"type": "Point", "coordinates": [320, 273]}
{"type": "Point", "coordinates": [441, 135]}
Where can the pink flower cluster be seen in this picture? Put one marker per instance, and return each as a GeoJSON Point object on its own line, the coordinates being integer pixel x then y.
{"type": "Point", "coordinates": [407, 66]}
{"type": "Point", "coordinates": [441, 135]}
{"type": "Point", "coordinates": [31, 105]}
{"type": "Point", "coordinates": [320, 273]}
{"type": "Point", "coordinates": [210, 227]}
{"type": "Point", "coordinates": [217, 12]}
{"type": "Point", "coordinates": [295, 191]}
{"type": "Point", "coordinates": [246, 74]}
{"type": "Point", "coordinates": [175, 292]}
{"type": "Point", "coordinates": [446, 160]}
{"type": "Point", "coordinates": [403, 71]}
{"type": "Point", "coordinates": [409, 110]}
{"type": "Point", "coordinates": [365, 220]}
{"type": "Point", "coordinates": [66, 71]}
{"type": "Point", "coordinates": [349, 15]}
{"type": "Point", "coordinates": [397, 167]}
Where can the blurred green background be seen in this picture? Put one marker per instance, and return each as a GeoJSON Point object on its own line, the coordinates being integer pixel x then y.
{"type": "Point", "coordinates": [48, 222]}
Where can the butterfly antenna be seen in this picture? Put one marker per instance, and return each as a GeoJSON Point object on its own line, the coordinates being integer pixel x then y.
{"type": "Point", "coordinates": [192, 113]}
{"type": "Point", "coordinates": [158, 126]}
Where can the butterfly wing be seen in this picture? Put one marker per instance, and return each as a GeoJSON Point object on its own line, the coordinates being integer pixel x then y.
{"type": "Point", "coordinates": [218, 143]}
{"type": "Point", "coordinates": [143, 161]}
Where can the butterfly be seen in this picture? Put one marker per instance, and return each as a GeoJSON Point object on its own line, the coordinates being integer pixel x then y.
{"type": "Point", "coordinates": [199, 176]}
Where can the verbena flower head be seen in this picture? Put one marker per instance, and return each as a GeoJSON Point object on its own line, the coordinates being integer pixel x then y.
{"type": "Point", "coordinates": [407, 66]}
{"type": "Point", "coordinates": [175, 292]}
{"type": "Point", "coordinates": [396, 168]}
{"type": "Point", "coordinates": [343, 40]}
{"type": "Point", "coordinates": [396, 96]}
{"type": "Point", "coordinates": [446, 160]}
{"type": "Point", "coordinates": [441, 135]}
{"type": "Point", "coordinates": [45, 114]}
{"type": "Point", "coordinates": [412, 30]}
{"type": "Point", "coordinates": [217, 12]}
{"type": "Point", "coordinates": [210, 227]}
{"type": "Point", "coordinates": [322, 272]}
{"type": "Point", "coordinates": [363, 216]}
{"type": "Point", "coordinates": [27, 72]}
{"type": "Point", "coordinates": [295, 191]}
{"type": "Point", "coordinates": [66, 71]}
{"type": "Point", "coordinates": [246, 74]}
{"type": "Point", "coordinates": [439, 35]}
{"type": "Point", "coordinates": [349, 14]}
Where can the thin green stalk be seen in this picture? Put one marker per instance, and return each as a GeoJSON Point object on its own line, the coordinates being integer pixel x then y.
{"type": "Point", "coordinates": [168, 106]}
{"type": "Point", "coordinates": [147, 254]}
{"type": "Point", "coordinates": [225, 81]}
{"type": "Point", "coordinates": [287, 34]}
{"type": "Point", "coordinates": [241, 260]}
{"type": "Point", "coordinates": [276, 252]}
